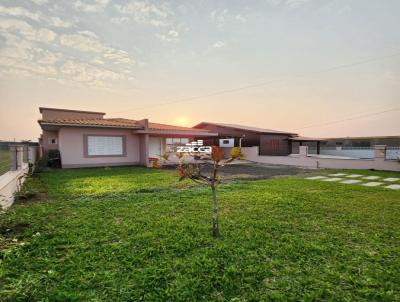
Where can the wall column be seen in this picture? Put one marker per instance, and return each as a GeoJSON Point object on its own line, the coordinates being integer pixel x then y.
{"type": "Point", "coordinates": [379, 152]}
{"type": "Point", "coordinates": [17, 156]}
{"type": "Point", "coordinates": [33, 154]}
{"type": "Point", "coordinates": [144, 149]}
{"type": "Point", "coordinates": [303, 151]}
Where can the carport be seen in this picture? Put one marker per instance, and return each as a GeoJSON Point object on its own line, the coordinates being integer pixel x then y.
{"type": "Point", "coordinates": [297, 141]}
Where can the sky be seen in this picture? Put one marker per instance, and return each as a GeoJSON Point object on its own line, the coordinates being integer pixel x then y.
{"type": "Point", "coordinates": [321, 68]}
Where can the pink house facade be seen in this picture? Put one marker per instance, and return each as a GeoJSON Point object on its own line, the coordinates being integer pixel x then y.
{"type": "Point", "coordinates": [87, 139]}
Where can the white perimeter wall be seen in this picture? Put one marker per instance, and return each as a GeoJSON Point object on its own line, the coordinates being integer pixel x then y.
{"type": "Point", "coordinates": [355, 153]}
{"type": "Point", "coordinates": [10, 183]}
{"type": "Point", "coordinates": [313, 161]}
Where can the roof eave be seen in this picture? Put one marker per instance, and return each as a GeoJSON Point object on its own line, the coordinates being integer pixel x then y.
{"type": "Point", "coordinates": [309, 139]}
{"type": "Point", "coordinates": [69, 110]}
{"type": "Point", "coordinates": [176, 132]}
{"type": "Point", "coordinates": [87, 126]}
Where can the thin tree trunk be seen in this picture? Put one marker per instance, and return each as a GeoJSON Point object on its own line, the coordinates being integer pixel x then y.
{"type": "Point", "coordinates": [215, 218]}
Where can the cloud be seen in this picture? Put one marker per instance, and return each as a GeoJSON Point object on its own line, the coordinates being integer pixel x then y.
{"type": "Point", "coordinates": [40, 2]}
{"type": "Point", "coordinates": [27, 31]}
{"type": "Point", "coordinates": [120, 20]}
{"type": "Point", "coordinates": [46, 57]}
{"type": "Point", "coordinates": [27, 68]}
{"type": "Point", "coordinates": [57, 22]}
{"type": "Point", "coordinates": [118, 55]}
{"type": "Point", "coordinates": [222, 17]}
{"type": "Point", "coordinates": [30, 51]}
{"type": "Point", "coordinates": [87, 41]}
{"type": "Point", "coordinates": [22, 50]}
{"type": "Point", "coordinates": [82, 41]}
{"type": "Point", "coordinates": [21, 12]}
{"type": "Point", "coordinates": [274, 2]}
{"type": "Point", "coordinates": [22, 56]}
{"type": "Point", "coordinates": [27, 60]}
{"type": "Point", "coordinates": [218, 44]}
{"type": "Point", "coordinates": [88, 33]}
{"type": "Point", "coordinates": [241, 18]}
{"type": "Point", "coordinates": [89, 74]}
{"type": "Point", "coordinates": [44, 35]}
{"type": "Point", "coordinates": [295, 3]}
{"type": "Point", "coordinates": [170, 36]}
{"type": "Point", "coordinates": [287, 3]}
{"type": "Point", "coordinates": [94, 6]}
{"type": "Point", "coordinates": [143, 12]}
{"type": "Point", "coordinates": [219, 17]}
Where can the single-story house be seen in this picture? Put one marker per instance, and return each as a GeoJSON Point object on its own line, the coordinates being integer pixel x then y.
{"type": "Point", "coordinates": [87, 139]}
{"type": "Point", "coordinates": [270, 142]}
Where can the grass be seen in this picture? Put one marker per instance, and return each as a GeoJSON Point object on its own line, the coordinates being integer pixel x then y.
{"type": "Point", "coordinates": [5, 161]}
{"type": "Point", "coordinates": [136, 234]}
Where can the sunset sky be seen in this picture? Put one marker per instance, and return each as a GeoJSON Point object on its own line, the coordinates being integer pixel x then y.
{"type": "Point", "coordinates": [318, 67]}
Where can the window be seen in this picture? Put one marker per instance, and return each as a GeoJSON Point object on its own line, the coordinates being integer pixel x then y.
{"type": "Point", "coordinates": [227, 142]}
{"type": "Point", "coordinates": [172, 143]}
{"type": "Point", "coordinates": [105, 145]}
{"type": "Point", "coordinates": [52, 141]}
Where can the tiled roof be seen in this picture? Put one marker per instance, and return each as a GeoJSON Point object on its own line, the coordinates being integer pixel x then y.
{"type": "Point", "coordinates": [114, 122]}
{"type": "Point", "coordinates": [246, 128]}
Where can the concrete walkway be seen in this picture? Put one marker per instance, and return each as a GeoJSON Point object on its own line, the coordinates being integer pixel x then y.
{"type": "Point", "coordinates": [358, 179]}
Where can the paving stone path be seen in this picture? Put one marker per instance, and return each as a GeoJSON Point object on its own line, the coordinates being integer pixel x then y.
{"type": "Point", "coordinates": [358, 179]}
{"type": "Point", "coordinates": [371, 177]}
{"type": "Point", "coordinates": [350, 181]}
{"type": "Point", "coordinates": [372, 184]}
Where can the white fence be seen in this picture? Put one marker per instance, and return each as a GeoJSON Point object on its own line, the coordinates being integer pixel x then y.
{"type": "Point", "coordinates": [304, 159]}
{"type": "Point", "coordinates": [11, 181]}
{"type": "Point", "coordinates": [353, 152]}
{"type": "Point", "coordinates": [393, 153]}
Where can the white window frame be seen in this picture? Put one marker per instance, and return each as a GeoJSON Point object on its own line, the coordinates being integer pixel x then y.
{"type": "Point", "coordinates": [107, 150]}
{"type": "Point", "coordinates": [175, 141]}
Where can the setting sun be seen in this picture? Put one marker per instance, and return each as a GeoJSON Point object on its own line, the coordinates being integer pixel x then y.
{"type": "Point", "coordinates": [183, 121]}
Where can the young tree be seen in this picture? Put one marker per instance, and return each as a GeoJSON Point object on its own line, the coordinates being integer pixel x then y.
{"type": "Point", "coordinates": [194, 171]}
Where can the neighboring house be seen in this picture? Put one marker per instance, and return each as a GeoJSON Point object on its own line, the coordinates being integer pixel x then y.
{"type": "Point", "coordinates": [87, 139]}
{"type": "Point", "coordinates": [13, 143]}
{"type": "Point", "coordinates": [366, 141]}
{"type": "Point", "coordinates": [270, 142]}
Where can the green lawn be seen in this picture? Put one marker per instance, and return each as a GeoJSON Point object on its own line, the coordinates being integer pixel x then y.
{"type": "Point", "coordinates": [5, 161]}
{"type": "Point", "coordinates": [136, 234]}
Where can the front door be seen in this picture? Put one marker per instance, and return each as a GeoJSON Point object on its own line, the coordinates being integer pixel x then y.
{"type": "Point", "coordinates": [155, 147]}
